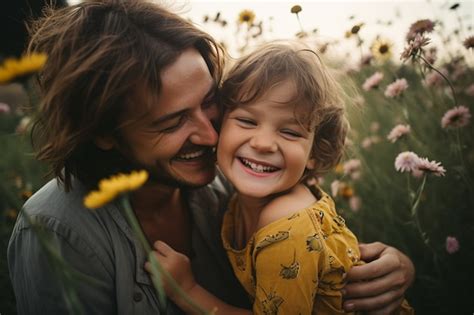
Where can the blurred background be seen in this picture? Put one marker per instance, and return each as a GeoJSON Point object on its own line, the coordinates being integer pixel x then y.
{"type": "Point", "coordinates": [407, 69]}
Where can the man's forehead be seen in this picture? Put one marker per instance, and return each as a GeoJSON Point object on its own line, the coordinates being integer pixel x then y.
{"type": "Point", "coordinates": [147, 104]}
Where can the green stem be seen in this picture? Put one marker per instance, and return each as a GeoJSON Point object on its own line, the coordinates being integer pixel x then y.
{"type": "Point", "coordinates": [414, 213]}
{"type": "Point", "coordinates": [299, 22]}
{"type": "Point", "coordinates": [442, 75]}
{"type": "Point", "coordinates": [414, 210]}
{"type": "Point", "coordinates": [418, 196]}
{"type": "Point", "coordinates": [158, 272]}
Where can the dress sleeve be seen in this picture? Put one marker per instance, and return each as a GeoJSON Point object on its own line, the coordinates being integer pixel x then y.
{"type": "Point", "coordinates": [287, 265]}
{"type": "Point", "coordinates": [42, 284]}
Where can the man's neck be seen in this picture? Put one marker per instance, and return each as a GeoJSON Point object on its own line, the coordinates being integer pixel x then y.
{"type": "Point", "coordinates": [163, 215]}
{"type": "Point", "coordinates": [153, 200]}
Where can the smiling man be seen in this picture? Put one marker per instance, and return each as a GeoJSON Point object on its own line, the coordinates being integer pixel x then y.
{"type": "Point", "coordinates": [129, 85]}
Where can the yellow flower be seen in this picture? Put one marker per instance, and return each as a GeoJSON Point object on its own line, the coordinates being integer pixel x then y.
{"type": "Point", "coordinates": [246, 16]}
{"type": "Point", "coordinates": [347, 192]}
{"type": "Point", "coordinates": [296, 9]}
{"type": "Point", "coordinates": [11, 213]}
{"type": "Point", "coordinates": [112, 187]}
{"type": "Point", "coordinates": [26, 194]}
{"type": "Point", "coordinates": [381, 49]}
{"type": "Point", "coordinates": [98, 198]}
{"type": "Point", "coordinates": [339, 169]}
{"type": "Point", "coordinates": [13, 68]}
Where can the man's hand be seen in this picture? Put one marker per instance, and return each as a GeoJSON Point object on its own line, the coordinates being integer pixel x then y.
{"type": "Point", "coordinates": [378, 286]}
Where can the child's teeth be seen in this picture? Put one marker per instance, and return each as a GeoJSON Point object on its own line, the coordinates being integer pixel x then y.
{"type": "Point", "coordinates": [257, 167]}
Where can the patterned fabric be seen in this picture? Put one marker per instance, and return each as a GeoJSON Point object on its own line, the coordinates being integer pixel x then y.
{"type": "Point", "coordinates": [295, 265]}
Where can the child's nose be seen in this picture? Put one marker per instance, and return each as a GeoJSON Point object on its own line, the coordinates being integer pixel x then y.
{"type": "Point", "coordinates": [264, 141]}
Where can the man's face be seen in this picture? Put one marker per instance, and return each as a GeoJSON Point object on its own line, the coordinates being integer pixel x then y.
{"type": "Point", "coordinates": [175, 139]}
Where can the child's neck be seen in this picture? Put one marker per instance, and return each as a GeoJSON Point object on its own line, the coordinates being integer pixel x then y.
{"type": "Point", "coordinates": [250, 208]}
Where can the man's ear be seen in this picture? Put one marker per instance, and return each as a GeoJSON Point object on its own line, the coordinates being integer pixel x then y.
{"type": "Point", "coordinates": [311, 164]}
{"type": "Point", "coordinates": [105, 142]}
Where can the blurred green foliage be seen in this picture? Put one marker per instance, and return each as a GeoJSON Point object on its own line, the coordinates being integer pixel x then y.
{"type": "Point", "coordinates": [385, 197]}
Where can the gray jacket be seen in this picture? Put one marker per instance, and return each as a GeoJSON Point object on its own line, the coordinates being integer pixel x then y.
{"type": "Point", "coordinates": [102, 251]}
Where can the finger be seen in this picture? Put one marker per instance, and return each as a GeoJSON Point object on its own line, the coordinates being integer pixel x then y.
{"type": "Point", "coordinates": [391, 281]}
{"type": "Point", "coordinates": [389, 309]}
{"type": "Point", "coordinates": [371, 251]}
{"type": "Point", "coordinates": [373, 269]}
{"type": "Point", "coordinates": [163, 248]}
{"type": "Point", "coordinates": [148, 266]}
{"type": "Point", "coordinates": [372, 303]}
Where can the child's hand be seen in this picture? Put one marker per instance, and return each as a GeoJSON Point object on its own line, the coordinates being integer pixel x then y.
{"type": "Point", "coordinates": [178, 266]}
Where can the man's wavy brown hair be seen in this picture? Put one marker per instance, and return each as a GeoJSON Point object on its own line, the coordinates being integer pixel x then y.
{"type": "Point", "coordinates": [99, 53]}
{"type": "Point", "coordinates": [318, 101]}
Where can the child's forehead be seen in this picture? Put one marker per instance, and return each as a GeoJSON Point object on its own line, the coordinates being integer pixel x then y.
{"type": "Point", "coordinates": [281, 90]}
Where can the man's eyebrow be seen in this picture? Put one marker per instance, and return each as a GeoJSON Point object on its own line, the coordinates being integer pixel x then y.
{"type": "Point", "coordinates": [168, 117]}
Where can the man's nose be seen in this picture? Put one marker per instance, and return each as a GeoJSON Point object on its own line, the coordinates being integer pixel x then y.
{"type": "Point", "coordinates": [205, 133]}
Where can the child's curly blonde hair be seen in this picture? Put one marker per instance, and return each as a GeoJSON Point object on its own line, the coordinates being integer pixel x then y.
{"type": "Point", "coordinates": [318, 101]}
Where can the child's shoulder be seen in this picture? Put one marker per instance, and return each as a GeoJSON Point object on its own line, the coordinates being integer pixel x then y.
{"type": "Point", "coordinates": [285, 205]}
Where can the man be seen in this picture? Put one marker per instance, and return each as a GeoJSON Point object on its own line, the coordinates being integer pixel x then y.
{"type": "Point", "coordinates": [129, 85]}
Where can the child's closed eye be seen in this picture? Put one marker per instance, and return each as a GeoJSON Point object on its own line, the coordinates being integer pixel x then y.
{"type": "Point", "coordinates": [246, 122]}
{"type": "Point", "coordinates": [291, 134]}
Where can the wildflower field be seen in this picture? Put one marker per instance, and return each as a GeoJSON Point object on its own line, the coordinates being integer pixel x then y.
{"type": "Point", "coordinates": [407, 178]}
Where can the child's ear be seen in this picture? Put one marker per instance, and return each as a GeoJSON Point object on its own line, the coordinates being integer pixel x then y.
{"type": "Point", "coordinates": [105, 142]}
{"type": "Point", "coordinates": [311, 164]}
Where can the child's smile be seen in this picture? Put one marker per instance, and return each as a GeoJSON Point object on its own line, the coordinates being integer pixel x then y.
{"type": "Point", "coordinates": [258, 168]}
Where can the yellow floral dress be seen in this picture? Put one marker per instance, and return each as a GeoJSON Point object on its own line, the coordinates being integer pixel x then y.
{"type": "Point", "coordinates": [295, 265]}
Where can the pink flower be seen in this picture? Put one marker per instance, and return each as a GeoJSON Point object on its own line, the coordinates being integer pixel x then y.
{"type": "Point", "coordinates": [373, 81]}
{"type": "Point", "coordinates": [406, 162]}
{"type": "Point", "coordinates": [4, 108]}
{"type": "Point", "coordinates": [456, 118]}
{"type": "Point", "coordinates": [351, 166]}
{"type": "Point", "coordinates": [452, 244]}
{"type": "Point", "coordinates": [367, 143]}
{"type": "Point", "coordinates": [433, 79]}
{"type": "Point", "coordinates": [397, 132]}
{"type": "Point", "coordinates": [431, 167]}
{"type": "Point", "coordinates": [414, 47]}
{"type": "Point", "coordinates": [335, 187]}
{"type": "Point", "coordinates": [355, 203]}
{"type": "Point", "coordinates": [396, 88]}
{"type": "Point", "coordinates": [420, 27]}
{"type": "Point", "coordinates": [374, 126]}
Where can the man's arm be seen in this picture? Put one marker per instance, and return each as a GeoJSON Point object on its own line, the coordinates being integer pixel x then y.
{"type": "Point", "coordinates": [38, 285]}
{"type": "Point", "coordinates": [378, 286]}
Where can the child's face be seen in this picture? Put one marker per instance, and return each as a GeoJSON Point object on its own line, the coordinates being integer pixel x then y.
{"type": "Point", "coordinates": [262, 149]}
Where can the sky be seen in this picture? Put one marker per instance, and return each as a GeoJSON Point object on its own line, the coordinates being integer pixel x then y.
{"type": "Point", "coordinates": [331, 19]}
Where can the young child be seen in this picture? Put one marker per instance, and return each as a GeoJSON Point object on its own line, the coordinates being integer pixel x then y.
{"type": "Point", "coordinates": [283, 123]}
